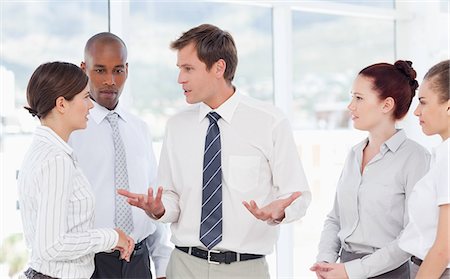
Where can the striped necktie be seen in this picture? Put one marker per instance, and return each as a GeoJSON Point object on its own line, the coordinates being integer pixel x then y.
{"type": "Point", "coordinates": [123, 218]}
{"type": "Point", "coordinates": [211, 218]}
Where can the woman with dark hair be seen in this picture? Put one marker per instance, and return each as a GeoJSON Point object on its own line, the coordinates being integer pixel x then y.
{"type": "Point", "coordinates": [56, 202]}
{"type": "Point", "coordinates": [426, 236]}
{"type": "Point", "coordinates": [369, 211]}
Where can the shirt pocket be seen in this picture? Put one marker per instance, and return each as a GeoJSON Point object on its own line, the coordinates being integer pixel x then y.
{"type": "Point", "coordinates": [243, 173]}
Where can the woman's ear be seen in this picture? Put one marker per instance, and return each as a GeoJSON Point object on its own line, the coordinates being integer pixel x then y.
{"type": "Point", "coordinates": [388, 105]}
{"type": "Point", "coordinates": [61, 104]}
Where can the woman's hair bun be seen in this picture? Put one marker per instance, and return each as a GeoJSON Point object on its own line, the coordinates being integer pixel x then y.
{"type": "Point", "coordinates": [32, 111]}
{"type": "Point", "coordinates": [405, 67]}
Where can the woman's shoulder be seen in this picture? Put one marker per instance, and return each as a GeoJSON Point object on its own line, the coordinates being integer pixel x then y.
{"type": "Point", "coordinates": [410, 145]}
{"type": "Point", "coordinates": [46, 153]}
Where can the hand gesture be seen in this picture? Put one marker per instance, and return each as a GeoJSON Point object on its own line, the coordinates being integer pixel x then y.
{"type": "Point", "coordinates": [125, 245]}
{"type": "Point", "coordinates": [330, 270]}
{"type": "Point", "coordinates": [274, 210]}
{"type": "Point", "coordinates": [153, 206]}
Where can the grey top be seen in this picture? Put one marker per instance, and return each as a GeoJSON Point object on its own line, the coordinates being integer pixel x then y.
{"type": "Point", "coordinates": [369, 211]}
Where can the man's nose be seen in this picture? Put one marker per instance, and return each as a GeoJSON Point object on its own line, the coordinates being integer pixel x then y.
{"type": "Point", "coordinates": [181, 78]}
{"type": "Point", "coordinates": [110, 80]}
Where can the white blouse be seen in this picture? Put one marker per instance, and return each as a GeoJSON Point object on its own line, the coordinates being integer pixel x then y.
{"type": "Point", "coordinates": [57, 208]}
{"type": "Point", "coordinates": [432, 191]}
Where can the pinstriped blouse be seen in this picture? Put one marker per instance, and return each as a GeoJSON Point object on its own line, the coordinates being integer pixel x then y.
{"type": "Point", "coordinates": [57, 209]}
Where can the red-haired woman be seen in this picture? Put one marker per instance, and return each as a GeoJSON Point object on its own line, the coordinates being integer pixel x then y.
{"type": "Point", "coordinates": [369, 211]}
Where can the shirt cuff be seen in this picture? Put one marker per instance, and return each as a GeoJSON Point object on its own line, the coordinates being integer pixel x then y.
{"type": "Point", "coordinates": [162, 219]}
{"type": "Point", "coordinates": [298, 208]}
{"type": "Point", "coordinates": [329, 258]}
{"type": "Point", "coordinates": [355, 269]}
{"type": "Point", "coordinates": [104, 239]}
{"type": "Point", "coordinates": [161, 267]}
{"type": "Point", "coordinates": [274, 222]}
{"type": "Point", "coordinates": [168, 217]}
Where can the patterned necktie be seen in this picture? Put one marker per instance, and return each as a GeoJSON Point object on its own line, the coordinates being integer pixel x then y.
{"type": "Point", "coordinates": [211, 219]}
{"type": "Point", "coordinates": [123, 218]}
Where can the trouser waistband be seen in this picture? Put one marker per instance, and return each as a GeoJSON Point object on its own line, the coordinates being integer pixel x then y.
{"type": "Point", "coordinates": [401, 272]}
{"type": "Point", "coordinates": [219, 257]}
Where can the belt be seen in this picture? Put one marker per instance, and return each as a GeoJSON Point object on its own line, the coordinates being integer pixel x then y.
{"type": "Point", "coordinates": [218, 257]}
{"type": "Point", "coordinates": [138, 248]}
{"type": "Point", "coordinates": [416, 260]}
{"type": "Point", "coordinates": [138, 245]}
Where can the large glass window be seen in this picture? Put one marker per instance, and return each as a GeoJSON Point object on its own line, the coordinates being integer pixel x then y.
{"type": "Point", "coordinates": [32, 32]}
{"type": "Point", "coordinates": [329, 51]}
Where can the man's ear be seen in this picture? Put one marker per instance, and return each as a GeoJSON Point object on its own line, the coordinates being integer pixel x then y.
{"type": "Point", "coordinates": [388, 104]}
{"type": "Point", "coordinates": [448, 107]}
{"type": "Point", "coordinates": [220, 67]}
{"type": "Point", "coordinates": [126, 69]}
{"type": "Point", "coordinates": [61, 104]}
{"type": "Point", "coordinates": [83, 66]}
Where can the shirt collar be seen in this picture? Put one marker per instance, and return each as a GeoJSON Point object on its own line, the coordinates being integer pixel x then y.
{"type": "Point", "coordinates": [98, 112]}
{"type": "Point", "coordinates": [48, 135]}
{"type": "Point", "coordinates": [393, 143]}
{"type": "Point", "coordinates": [225, 110]}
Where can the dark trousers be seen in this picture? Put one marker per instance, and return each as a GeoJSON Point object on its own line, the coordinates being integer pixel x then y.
{"type": "Point", "coordinates": [109, 265]}
{"type": "Point", "coordinates": [401, 272]}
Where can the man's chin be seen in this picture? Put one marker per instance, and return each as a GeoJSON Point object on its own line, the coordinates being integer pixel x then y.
{"type": "Point", "coordinates": [191, 101]}
{"type": "Point", "coordinates": [109, 104]}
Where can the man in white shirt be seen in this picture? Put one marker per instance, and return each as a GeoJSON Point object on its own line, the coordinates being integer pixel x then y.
{"type": "Point", "coordinates": [96, 149]}
{"type": "Point", "coordinates": [217, 155]}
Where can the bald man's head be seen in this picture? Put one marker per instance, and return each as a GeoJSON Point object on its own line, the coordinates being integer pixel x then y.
{"type": "Point", "coordinates": [105, 63]}
{"type": "Point", "coordinates": [104, 38]}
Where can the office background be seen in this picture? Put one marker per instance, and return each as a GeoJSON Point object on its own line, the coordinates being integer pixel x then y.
{"type": "Point", "coordinates": [300, 55]}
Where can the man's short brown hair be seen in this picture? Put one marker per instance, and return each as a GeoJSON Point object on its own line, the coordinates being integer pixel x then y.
{"type": "Point", "coordinates": [211, 44]}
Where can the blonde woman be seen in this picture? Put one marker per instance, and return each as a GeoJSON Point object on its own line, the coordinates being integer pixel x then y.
{"type": "Point", "coordinates": [426, 236]}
